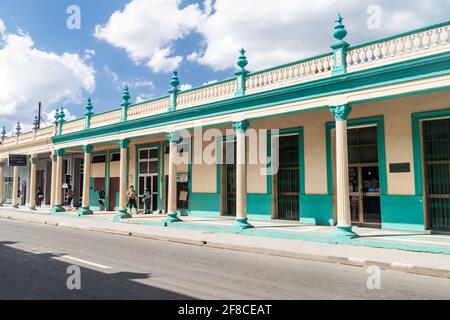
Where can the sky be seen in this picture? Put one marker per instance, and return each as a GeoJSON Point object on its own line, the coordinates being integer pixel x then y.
{"type": "Point", "coordinates": [62, 52]}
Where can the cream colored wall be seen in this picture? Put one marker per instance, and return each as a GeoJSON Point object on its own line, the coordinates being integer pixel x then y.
{"type": "Point", "coordinates": [204, 176]}
{"type": "Point", "coordinates": [98, 170]}
{"type": "Point", "coordinates": [114, 169]}
{"type": "Point", "coordinates": [256, 168]}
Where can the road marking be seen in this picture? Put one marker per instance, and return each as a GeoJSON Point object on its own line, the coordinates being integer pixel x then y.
{"type": "Point", "coordinates": [89, 263]}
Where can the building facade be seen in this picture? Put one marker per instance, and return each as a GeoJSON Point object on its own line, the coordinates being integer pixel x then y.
{"type": "Point", "coordinates": [356, 136]}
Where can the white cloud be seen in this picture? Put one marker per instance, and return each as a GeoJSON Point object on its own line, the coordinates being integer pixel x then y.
{"type": "Point", "coordinates": [272, 32]}
{"type": "Point", "coordinates": [147, 29]}
{"type": "Point", "coordinates": [143, 97]}
{"type": "Point", "coordinates": [29, 75]}
{"type": "Point", "coordinates": [291, 30]}
{"type": "Point", "coordinates": [185, 86]}
{"type": "Point", "coordinates": [89, 53]}
{"type": "Point", "coordinates": [2, 29]}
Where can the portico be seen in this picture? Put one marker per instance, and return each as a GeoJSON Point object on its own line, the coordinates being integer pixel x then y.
{"type": "Point", "coordinates": [335, 139]}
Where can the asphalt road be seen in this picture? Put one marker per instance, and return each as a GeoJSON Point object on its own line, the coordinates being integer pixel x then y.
{"type": "Point", "coordinates": [34, 261]}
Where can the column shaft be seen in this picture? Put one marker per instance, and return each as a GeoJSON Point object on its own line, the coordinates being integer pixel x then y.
{"type": "Point", "coordinates": [172, 187]}
{"type": "Point", "coordinates": [241, 177]}
{"type": "Point", "coordinates": [58, 207]}
{"type": "Point", "coordinates": [85, 206]}
{"type": "Point", "coordinates": [53, 183]}
{"type": "Point", "coordinates": [344, 221]}
{"type": "Point", "coordinates": [342, 185]}
{"type": "Point", "coordinates": [2, 183]}
{"type": "Point", "coordinates": [15, 191]}
{"type": "Point", "coordinates": [33, 183]}
{"type": "Point", "coordinates": [122, 211]}
{"type": "Point", "coordinates": [174, 139]}
{"type": "Point", "coordinates": [123, 180]}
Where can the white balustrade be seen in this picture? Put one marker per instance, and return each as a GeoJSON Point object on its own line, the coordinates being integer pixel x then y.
{"type": "Point", "coordinates": [73, 126]}
{"type": "Point", "coordinates": [148, 109]}
{"type": "Point", "coordinates": [105, 119]}
{"type": "Point", "coordinates": [393, 50]}
{"type": "Point", "coordinates": [303, 71]}
{"type": "Point", "coordinates": [211, 93]}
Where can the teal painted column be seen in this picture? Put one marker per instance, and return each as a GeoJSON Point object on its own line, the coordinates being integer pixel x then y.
{"type": "Point", "coordinates": [174, 139]}
{"type": "Point", "coordinates": [344, 222]}
{"type": "Point", "coordinates": [85, 207]}
{"type": "Point", "coordinates": [340, 47]}
{"type": "Point", "coordinates": [58, 207]}
{"type": "Point", "coordinates": [122, 212]}
{"type": "Point", "coordinates": [241, 74]}
{"type": "Point", "coordinates": [174, 82]}
{"type": "Point", "coordinates": [125, 104]}
{"type": "Point", "coordinates": [88, 114]}
{"type": "Point", "coordinates": [241, 222]}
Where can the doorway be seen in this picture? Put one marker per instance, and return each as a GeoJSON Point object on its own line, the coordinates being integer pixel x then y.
{"type": "Point", "coordinates": [148, 176]}
{"type": "Point", "coordinates": [229, 178]}
{"type": "Point", "coordinates": [288, 179]}
{"type": "Point", "coordinates": [364, 176]}
{"type": "Point", "coordinates": [436, 142]}
{"type": "Point", "coordinates": [114, 189]}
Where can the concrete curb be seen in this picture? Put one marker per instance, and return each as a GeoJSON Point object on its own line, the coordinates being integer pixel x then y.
{"type": "Point", "coordinates": [350, 261]}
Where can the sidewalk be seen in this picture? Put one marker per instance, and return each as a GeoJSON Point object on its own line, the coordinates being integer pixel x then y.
{"type": "Point", "coordinates": [267, 239]}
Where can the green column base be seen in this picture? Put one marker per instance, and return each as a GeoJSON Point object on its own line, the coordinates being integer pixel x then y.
{"type": "Point", "coordinates": [171, 218]}
{"type": "Point", "coordinates": [121, 214]}
{"type": "Point", "coordinates": [57, 209]}
{"type": "Point", "coordinates": [344, 233]}
{"type": "Point", "coordinates": [85, 211]}
{"type": "Point", "coordinates": [241, 224]}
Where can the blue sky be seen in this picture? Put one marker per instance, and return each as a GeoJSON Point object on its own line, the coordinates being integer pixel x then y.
{"type": "Point", "coordinates": [144, 42]}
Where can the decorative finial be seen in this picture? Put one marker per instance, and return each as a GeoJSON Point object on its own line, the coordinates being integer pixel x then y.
{"type": "Point", "coordinates": [242, 61]}
{"type": "Point", "coordinates": [62, 114]}
{"type": "Point", "coordinates": [56, 116]}
{"type": "Point", "coordinates": [18, 128]}
{"type": "Point", "coordinates": [174, 82]}
{"type": "Point", "coordinates": [3, 133]}
{"type": "Point", "coordinates": [89, 108]}
{"type": "Point", "coordinates": [36, 123]}
{"type": "Point", "coordinates": [339, 29]}
{"type": "Point", "coordinates": [126, 97]}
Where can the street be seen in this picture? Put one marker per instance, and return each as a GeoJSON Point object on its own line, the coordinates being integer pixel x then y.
{"type": "Point", "coordinates": [34, 261]}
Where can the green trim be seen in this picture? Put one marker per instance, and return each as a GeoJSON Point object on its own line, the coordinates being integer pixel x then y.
{"type": "Point", "coordinates": [415, 69]}
{"type": "Point", "coordinates": [417, 145]}
{"type": "Point", "coordinates": [316, 209]}
{"type": "Point", "coordinates": [403, 212]}
{"type": "Point", "coordinates": [379, 122]}
{"type": "Point", "coordinates": [259, 205]}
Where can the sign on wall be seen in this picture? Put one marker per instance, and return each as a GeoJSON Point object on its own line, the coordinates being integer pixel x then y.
{"type": "Point", "coordinates": [17, 160]}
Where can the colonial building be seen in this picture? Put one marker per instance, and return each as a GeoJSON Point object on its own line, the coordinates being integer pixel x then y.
{"type": "Point", "coordinates": [359, 135]}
